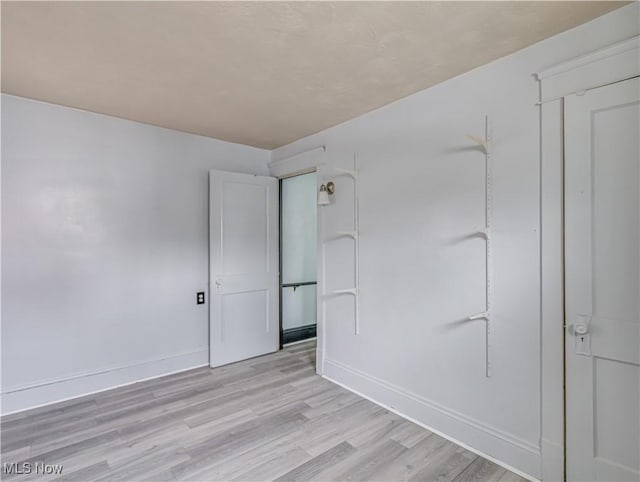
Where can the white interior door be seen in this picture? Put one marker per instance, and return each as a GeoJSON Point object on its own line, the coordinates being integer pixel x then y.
{"type": "Point", "coordinates": [243, 274]}
{"type": "Point", "coordinates": [602, 256]}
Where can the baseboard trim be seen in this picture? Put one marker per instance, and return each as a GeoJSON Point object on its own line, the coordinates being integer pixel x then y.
{"type": "Point", "coordinates": [501, 448]}
{"type": "Point", "coordinates": [299, 333]}
{"type": "Point", "coordinates": [18, 399]}
{"type": "Point", "coordinates": [294, 343]}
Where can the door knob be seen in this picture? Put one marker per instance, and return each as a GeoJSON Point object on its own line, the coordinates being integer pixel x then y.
{"type": "Point", "coordinates": [581, 325]}
{"type": "Point", "coordinates": [582, 336]}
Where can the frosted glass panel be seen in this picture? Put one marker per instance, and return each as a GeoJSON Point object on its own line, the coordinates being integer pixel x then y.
{"type": "Point", "coordinates": [299, 227]}
{"type": "Point", "coordinates": [298, 307]}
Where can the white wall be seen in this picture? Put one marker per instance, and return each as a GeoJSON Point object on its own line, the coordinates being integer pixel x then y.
{"type": "Point", "coordinates": [105, 232]}
{"type": "Point", "coordinates": [421, 193]}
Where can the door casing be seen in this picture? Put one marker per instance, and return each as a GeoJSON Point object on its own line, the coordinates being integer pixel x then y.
{"type": "Point", "coordinates": [302, 163]}
{"type": "Point", "coordinates": [610, 64]}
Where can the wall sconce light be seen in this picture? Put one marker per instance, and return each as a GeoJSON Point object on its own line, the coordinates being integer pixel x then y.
{"type": "Point", "coordinates": [323, 193]}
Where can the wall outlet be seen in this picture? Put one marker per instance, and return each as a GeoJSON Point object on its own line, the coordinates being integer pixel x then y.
{"type": "Point", "coordinates": [200, 297]}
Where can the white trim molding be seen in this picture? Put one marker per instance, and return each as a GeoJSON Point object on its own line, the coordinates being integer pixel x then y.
{"type": "Point", "coordinates": [552, 292]}
{"type": "Point", "coordinates": [492, 443]}
{"type": "Point", "coordinates": [45, 392]}
{"type": "Point", "coordinates": [297, 163]}
{"type": "Point", "coordinates": [604, 66]}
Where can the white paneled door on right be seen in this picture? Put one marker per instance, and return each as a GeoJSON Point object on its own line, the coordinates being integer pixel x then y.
{"type": "Point", "coordinates": [243, 254]}
{"type": "Point", "coordinates": [602, 282]}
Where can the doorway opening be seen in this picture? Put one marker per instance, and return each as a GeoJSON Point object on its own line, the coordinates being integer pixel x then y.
{"type": "Point", "coordinates": [298, 255]}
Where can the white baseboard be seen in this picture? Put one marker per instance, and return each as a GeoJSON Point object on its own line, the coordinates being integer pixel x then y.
{"type": "Point", "coordinates": [18, 399]}
{"type": "Point", "coordinates": [514, 454]}
{"type": "Point", "coordinates": [293, 343]}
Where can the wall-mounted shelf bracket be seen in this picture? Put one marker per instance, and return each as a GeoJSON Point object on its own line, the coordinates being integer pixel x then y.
{"type": "Point", "coordinates": [348, 291]}
{"type": "Point", "coordinates": [349, 234]}
{"type": "Point", "coordinates": [353, 234]}
{"type": "Point", "coordinates": [351, 173]}
{"type": "Point", "coordinates": [481, 142]}
{"type": "Point", "coordinates": [479, 316]}
{"type": "Point", "coordinates": [343, 234]}
{"type": "Point", "coordinates": [481, 233]}
{"type": "Point", "coordinates": [486, 234]}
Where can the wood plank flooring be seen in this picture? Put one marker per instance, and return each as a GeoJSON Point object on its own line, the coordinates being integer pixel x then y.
{"type": "Point", "coordinates": [269, 418]}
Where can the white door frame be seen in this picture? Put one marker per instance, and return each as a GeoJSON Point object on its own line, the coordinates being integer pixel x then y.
{"type": "Point", "coordinates": [614, 63]}
{"type": "Point", "coordinates": [302, 163]}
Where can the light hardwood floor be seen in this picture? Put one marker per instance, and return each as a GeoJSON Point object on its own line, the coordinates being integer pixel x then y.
{"type": "Point", "coordinates": [269, 418]}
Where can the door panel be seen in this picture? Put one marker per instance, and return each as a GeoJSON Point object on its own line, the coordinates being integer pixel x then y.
{"type": "Point", "coordinates": [244, 231]}
{"type": "Point", "coordinates": [610, 428]}
{"type": "Point", "coordinates": [602, 263]}
{"type": "Point", "coordinates": [243, 266]}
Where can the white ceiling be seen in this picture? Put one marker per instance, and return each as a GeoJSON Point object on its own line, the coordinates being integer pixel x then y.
{"type": "Point", "coordinates": [259, 73]}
